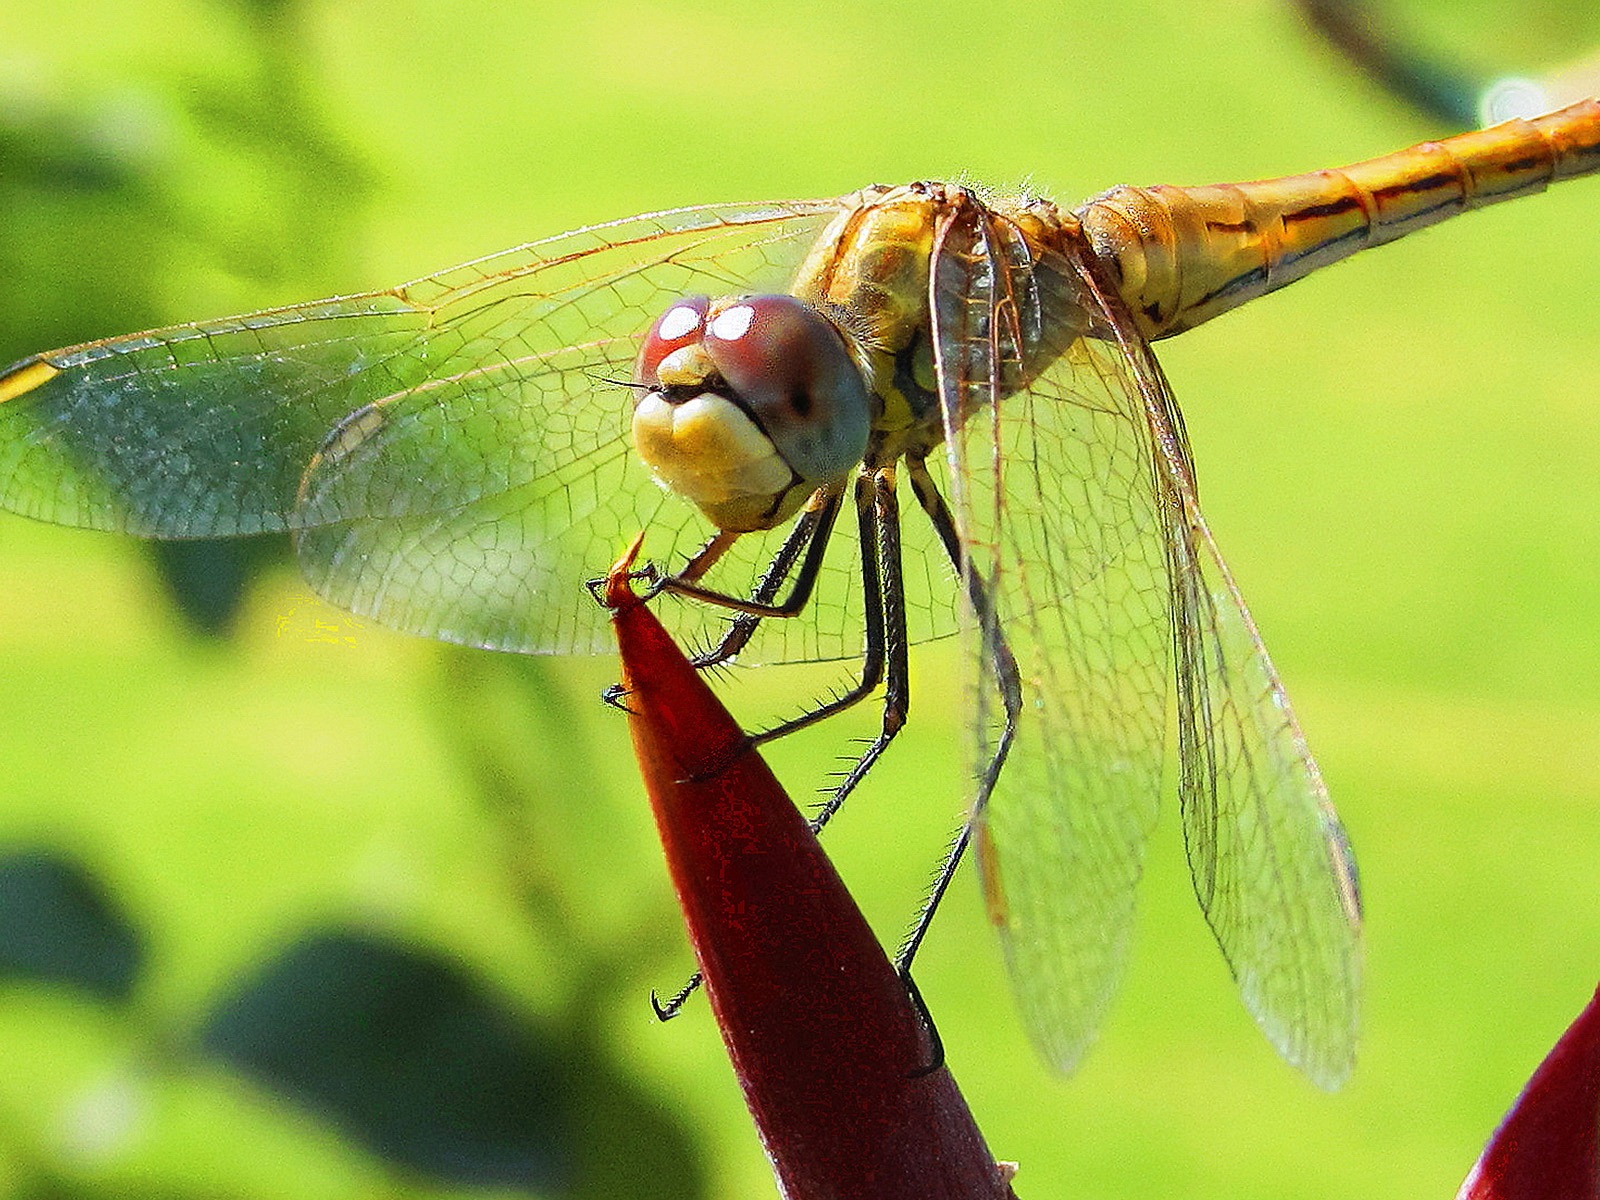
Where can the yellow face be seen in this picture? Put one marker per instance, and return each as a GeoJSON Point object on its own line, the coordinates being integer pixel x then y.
{"type": "Point", "coordinates": [748, 405]}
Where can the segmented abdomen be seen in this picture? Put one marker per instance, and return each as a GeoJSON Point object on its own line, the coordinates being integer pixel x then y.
{"type": "Point", "coordinates": [1185, 255]}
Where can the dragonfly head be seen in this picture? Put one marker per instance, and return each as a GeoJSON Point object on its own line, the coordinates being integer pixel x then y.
{"type": "Point", "coordinates": [747, 405]}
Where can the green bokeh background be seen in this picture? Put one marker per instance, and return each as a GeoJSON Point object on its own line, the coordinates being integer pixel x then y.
{"type": "Point", "coordinates": [1400, 459]}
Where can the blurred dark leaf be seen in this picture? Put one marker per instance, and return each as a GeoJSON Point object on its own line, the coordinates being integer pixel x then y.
{"type": "Point", "coordinates": [632, 1145]}
{"type": "Point", "coordinates": [207, 577]}
{"type": "Point", "coordinates": [409, 1054]}
{"type": "Point", "coordinates": [59, 924]}
{"type": "Point", "coordinates": [423, 1065]}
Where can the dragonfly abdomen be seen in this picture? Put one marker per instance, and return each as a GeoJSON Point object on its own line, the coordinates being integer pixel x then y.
{"type": "Point", "coordinates": [1185, 255]}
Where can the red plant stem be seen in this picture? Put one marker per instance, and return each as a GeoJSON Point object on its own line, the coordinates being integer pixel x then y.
{"type": "Point", "coordinates": [829, 1051]}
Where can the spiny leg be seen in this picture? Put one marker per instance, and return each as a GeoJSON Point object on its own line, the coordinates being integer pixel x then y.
{"type": "Point", "coordinates": [673, 1005]}
{"type": "Point", "coordinates": [1008, 681]}
{"type": "Point", "coordinates": [811, 532]}
{"type": "Point", "coordinates": [701, 561]}
{"type": "Point", "coordinates": [743, 625]}
{"type": "Point", "coordinates": [871, 512]}
{"type": "Point", "coordinates": [883, 578]}
{"type": "Point", "coordinates": [823, 511]}
{"type": "Point", "coordinates": [872, 655]}
{"type": "Point", "coordinates": [884, 657]}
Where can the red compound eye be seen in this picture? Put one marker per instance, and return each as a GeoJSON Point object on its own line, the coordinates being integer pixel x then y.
{"type": "Point", "coordinates": [792, 371]}
{"type": "Point", "coordinates": [681, 325]}
{"type": "Point", "coordinates": [774, 349]}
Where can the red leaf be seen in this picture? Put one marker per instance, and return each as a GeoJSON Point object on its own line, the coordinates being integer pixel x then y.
{"type": "Point", "coordinates": [1548, 1146]}
{"type": "Point", "coordinates": [827, 1047]}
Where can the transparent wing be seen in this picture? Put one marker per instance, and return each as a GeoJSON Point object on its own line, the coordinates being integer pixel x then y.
{"type": "Point", "coordinates": [473, 506]}
{"type": "Point", "coordinates": [453, 452]}
{"type": "Point", "coordinates": [1077, 509]}
{"type": "Point", "coordinates": [1272, 866]}
{"type": "Point", "coordinates": [1056, 503]}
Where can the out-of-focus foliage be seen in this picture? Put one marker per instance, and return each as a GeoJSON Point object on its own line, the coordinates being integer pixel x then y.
{"type": "Point", "coordinates": [59, 925]}
{"type": "Point", "coordinates": [1466, 72]}
{"type": "Point", "coordinates": [408, 1054]}
{"type": "Point", "coordinates": [133, 190]}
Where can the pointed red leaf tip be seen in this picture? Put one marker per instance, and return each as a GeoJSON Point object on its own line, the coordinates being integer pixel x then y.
{"type": "Point", "coordinates": [1548, 1146]}
{"type": "Point", "coordinates": [822, 1036]}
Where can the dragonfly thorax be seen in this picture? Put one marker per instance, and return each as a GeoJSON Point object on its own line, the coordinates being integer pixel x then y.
{"type": "Point", "coordinates": [747, 405]}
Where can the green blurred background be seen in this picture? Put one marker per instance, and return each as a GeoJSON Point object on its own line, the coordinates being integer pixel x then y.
{"type": "Point", "coordinates": [290, 824]}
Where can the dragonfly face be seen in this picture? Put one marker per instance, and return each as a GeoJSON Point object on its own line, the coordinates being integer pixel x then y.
{"type": "Point", "coordinates": [749, 405]}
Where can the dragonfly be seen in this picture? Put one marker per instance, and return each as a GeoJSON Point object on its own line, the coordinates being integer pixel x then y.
{"type": "Point", "coordinates": [456, 456]}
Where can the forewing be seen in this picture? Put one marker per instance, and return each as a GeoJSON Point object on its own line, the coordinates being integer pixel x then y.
{"type": "Point", "coordinates": [454, 451]}
{"type": "Point", "coordinates": [475, 506]}
{"type": "Point", "coordinates": [1272, 867]}
{"type": "Point", "coordinates": [199, 430]}
{"type": "Point", "coordinates": [1059, 508]}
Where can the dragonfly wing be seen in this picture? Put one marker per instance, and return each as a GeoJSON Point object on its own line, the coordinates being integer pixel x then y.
{"type": "Point", "coordinates": [1271, 864]}
{"type": "Point", "coordinates": [454, 452]}
{"type": "Point", "coordinates": [199, 430]}
{"type": "Point", "coordinates": [448, 509]}
{"type": "Point", "coordinates": [1060, 512]}
{"type": "Point", "coordinates": [1076, 505]}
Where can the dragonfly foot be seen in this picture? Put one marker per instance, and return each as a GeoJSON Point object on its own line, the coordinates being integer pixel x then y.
{"type": "Point", "coordinates": [935, 1042]}
{"type": "Point", "coordinates": [617, 697]}
{"type": "Point", "coordinates": [648, 574]}
{"type": "Point", "coordinates": [665, 1012]}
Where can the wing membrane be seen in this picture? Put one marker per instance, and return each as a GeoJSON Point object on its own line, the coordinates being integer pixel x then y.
{"type": "Point", "coordinates": [1056, 505]}
{"type": "Point", "coordinates": [200, 430]}
{"type": "Point", "coordinates": [1079, 511]}
{"type": "Point", "coordinates": [454, 451]}
{"type": "Point", "coordinates": [1272, 866]}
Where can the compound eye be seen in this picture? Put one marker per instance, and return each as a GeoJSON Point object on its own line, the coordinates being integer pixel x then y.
{"type": "Point", "coordinates": [684, 324]}
{"type": "Point", "coordinates": [791, 368]}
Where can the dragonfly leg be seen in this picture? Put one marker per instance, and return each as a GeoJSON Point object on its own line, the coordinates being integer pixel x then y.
{"type": "Point", "coordinates": [810, 534]}
{"type": "Point", "coordinates": [673, 1005]}
{"type": "Point", "coordinates": [935, 1041]}
{"type": "Point", "coordinates": [1008, 681]}
{"type": "Point", "coordinates": [617, 697]}
{"type": "Point", "coordinates": [872, 659]}
{"type": "Point", "coordinates": [886, 652]}
{"type": "Point", "coordinates": [884, 660]}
